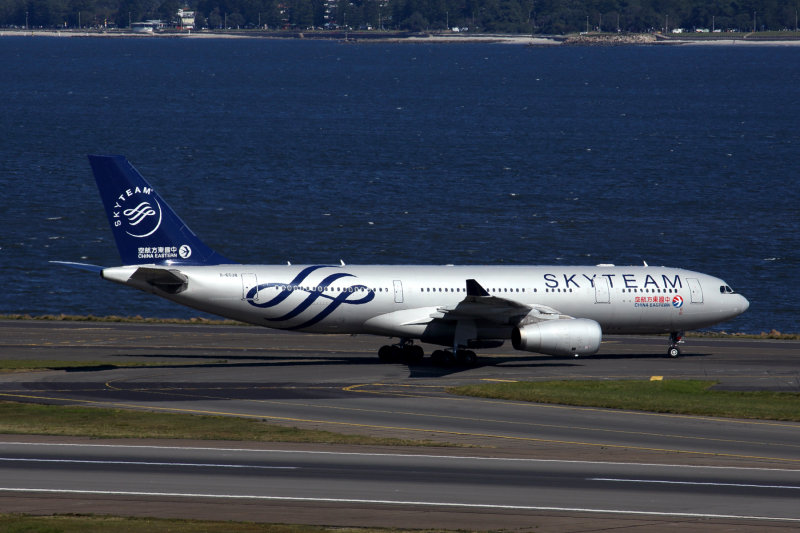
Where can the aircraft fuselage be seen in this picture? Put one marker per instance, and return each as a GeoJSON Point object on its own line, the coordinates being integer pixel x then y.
{"type": "Point", "coordinates": [347, 299]}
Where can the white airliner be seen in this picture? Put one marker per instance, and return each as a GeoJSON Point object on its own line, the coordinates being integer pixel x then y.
{"type": "Point", "coordinates": [552, 310]}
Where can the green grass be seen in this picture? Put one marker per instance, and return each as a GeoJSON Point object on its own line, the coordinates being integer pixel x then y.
{"type": "Point", "coordinates": [37, 419]}
{"type": "Point", "coordinates": [18, 523]}
{"type": "Point", "coordinates": [680, 397]}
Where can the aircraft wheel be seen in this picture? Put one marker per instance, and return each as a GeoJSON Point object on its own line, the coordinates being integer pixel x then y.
{"type": "Point", "coordinates": [385, 354]}
{"type": "Point", "coordinates": [414, 354]}
{"type": "Point", "coordinates": [467, 357]}
{"type": "Point", "coordinates": [673, 352]}
{"type": "Point", "coordinates": [438, 357]}
{"type": "Point", "coordinates": [443, 357]}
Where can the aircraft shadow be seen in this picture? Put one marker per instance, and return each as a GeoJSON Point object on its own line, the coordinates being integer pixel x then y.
{"type": "Point", "coordinates": [424, 369]}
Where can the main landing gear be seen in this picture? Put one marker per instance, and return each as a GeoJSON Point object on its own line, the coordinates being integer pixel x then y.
{"type": "Point", "coordinates": [675, 338]}
{"type": "Point", "coordinates": [402, 352]}
{"type": "Point", "coordinates": [406, 352]}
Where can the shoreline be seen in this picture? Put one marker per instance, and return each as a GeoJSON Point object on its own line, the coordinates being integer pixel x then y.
{"type": "Point", "coordinates": [404, 37]}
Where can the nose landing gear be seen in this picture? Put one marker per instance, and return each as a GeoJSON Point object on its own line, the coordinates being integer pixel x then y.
{"type": "Point", "coordinates": [675, 338]}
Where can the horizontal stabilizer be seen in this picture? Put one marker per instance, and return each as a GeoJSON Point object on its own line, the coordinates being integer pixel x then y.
{"type": "Point", "coordinates": [80, 266]}
{"type": "Point", "coordinates": [171, 281]}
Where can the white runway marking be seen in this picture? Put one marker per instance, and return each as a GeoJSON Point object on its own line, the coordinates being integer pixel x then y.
{"type": "Point", "coordinates": [700, 483]}
{"type": "Point", "coordinates": [393, 502]}
{"type": "Point", "coordinates": [140, 463]}
{"type": "Point", "coordinates": [400, 455]}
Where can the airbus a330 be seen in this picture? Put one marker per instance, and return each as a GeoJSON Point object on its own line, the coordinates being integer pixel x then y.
{"type": "Point", "coordinates": [553, 310]}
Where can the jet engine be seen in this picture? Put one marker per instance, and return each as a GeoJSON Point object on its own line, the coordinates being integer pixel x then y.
{"type": "Point", "coordinates": [575, 337]}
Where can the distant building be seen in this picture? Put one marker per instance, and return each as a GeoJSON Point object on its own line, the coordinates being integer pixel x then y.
{"type": "Point", "coordinates": [185, 20]}
{"type": "Point", "coordinates": [333, 20]}
{"type": "Point", "coordinates": [142, 27]}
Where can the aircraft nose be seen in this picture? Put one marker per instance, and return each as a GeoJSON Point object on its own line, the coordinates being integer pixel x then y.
{"type": "Point", "coordinates": [745, 303]}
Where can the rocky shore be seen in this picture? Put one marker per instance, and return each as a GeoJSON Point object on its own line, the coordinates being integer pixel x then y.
{"type": "Point", "coordinates": [610, 39]}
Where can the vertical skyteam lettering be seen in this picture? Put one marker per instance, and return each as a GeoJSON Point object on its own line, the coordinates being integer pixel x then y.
{"type": "Point", "coordinates": [351, 295]}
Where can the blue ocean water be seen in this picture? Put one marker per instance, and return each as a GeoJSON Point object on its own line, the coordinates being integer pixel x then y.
{"type": "Point", "coordinates": [405, 153]}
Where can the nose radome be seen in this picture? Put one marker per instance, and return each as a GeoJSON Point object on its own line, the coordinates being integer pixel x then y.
{"type": "Point", "coordinates": [745, 303]}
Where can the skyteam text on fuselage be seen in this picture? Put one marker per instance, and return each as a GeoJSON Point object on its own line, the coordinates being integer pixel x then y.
{"type": "Point", "coordinates": [552, 310]}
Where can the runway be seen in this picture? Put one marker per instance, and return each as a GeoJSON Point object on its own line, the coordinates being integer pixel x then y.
{"type": "Point", "coordinates": [642, 469]}
{"type": "Point", "coordinates": [474, 485]}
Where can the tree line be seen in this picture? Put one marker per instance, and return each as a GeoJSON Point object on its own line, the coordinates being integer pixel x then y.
{"type": "Point", "coordinates": [506, 16]}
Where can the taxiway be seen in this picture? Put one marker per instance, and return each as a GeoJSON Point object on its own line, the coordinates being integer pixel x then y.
{"type": "Point", "coordinates": [526, 463]}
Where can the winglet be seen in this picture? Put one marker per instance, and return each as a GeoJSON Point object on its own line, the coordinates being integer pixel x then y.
{"type": "Point", "coordinates": [474, 289]}
{"type": "Point", "coordinates": [146, 229]}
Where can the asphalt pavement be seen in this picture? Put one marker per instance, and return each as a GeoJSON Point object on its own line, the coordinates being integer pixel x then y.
{"type": "Point", "coordinates": [555, 468]}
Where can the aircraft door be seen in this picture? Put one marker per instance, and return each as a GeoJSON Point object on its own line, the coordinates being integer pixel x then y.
{"type": "Point", "coordinates": [602, 295]}
{"type": "Point", "coordinates": [248, 282]}
{"type": "Point", "coordinates": [696, 290]}
{"type": "Point", "coordinates": [398, 291]}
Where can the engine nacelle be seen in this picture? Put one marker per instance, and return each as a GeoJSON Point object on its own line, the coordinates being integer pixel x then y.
{"type": "Point", "coordinates": [570, 337]}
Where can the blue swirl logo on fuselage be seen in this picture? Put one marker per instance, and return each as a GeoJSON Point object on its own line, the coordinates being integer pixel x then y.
{"type": "Point", "coordinates": [351, 295]}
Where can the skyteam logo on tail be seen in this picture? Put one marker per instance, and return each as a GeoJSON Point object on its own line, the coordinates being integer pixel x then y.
{"type": "Point", "coordinates": [136, 212]}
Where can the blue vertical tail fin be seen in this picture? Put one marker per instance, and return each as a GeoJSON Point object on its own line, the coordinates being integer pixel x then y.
{"type": "Point", "coordinates": [146, 229]}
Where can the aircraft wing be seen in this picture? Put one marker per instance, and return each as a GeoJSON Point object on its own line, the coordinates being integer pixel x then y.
{"type": "Point", "coordinates": [479, 304]}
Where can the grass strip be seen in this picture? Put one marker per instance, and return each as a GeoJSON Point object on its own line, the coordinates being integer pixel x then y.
{"type": "Point", "coordinates": [96, 422]}
{"type": "Point", "coordinates": [686, 397]}
{"type": "Point", "coordinates": [19, 523]}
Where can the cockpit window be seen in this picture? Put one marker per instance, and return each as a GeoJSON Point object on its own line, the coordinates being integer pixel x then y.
{"type": "Point", "coordinates": [724, 289]}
